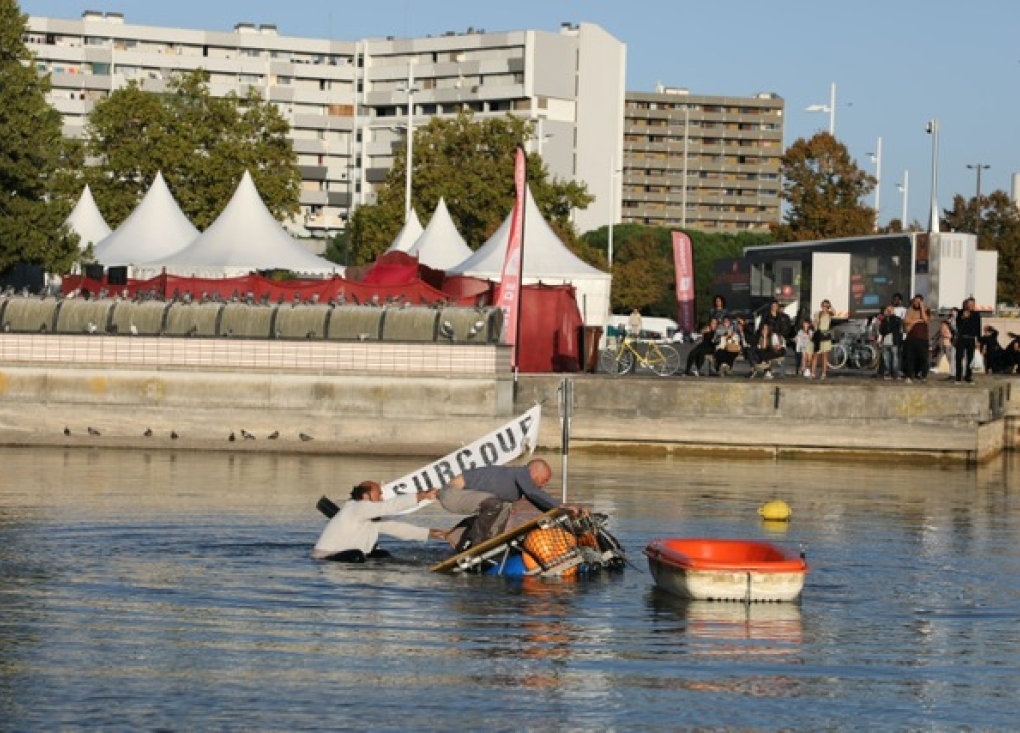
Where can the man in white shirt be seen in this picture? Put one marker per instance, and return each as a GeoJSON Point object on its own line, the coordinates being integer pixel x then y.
{"type": "Point", "coordinates": [352, 534]}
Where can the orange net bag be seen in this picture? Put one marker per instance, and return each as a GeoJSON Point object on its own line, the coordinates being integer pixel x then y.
{"type": "Point", "coordinates": [548, 547]}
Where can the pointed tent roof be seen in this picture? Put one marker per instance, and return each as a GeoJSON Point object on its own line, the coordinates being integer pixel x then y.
{"type": "Point", "coordinates": [408, 234]}
{"type": "Point", "coordinates": [545, 256]}
{"type": "Point", "coordinates": [245, 237]}
{"type": "Point", "coordinates": [440, 246]}
{"type": "Point", "coordinates": [156, 228]}
{"type": "Point", "coordinates": [87, 221]}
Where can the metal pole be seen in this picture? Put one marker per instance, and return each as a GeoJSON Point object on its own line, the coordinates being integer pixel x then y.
{"type": "Point", "coordinates": [977, 167]}
{"type": "Point", "coordinates": [410, 141]}
{"type": "Point", "coordinates": [905, 189]}
{"type": "Point", "coordinates": [933, 130]}
{"type": "Point", "coordinates": [832, 109]}
{"type": "Point", "coordinates": [683, 189]}
{"type": "Point", "coordinates": [566, 407]}
{"type": "Point", "coordinates": [612, 206]}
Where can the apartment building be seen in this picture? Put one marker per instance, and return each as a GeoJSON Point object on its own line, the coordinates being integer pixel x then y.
{"type": "Point", "coordinates": [702, 162]}
{"type": "Point", "coordinates": [347, 101]}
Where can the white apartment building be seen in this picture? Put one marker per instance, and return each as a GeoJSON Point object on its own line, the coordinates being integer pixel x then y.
{"type": "Point", "coordinates": [347, 101]}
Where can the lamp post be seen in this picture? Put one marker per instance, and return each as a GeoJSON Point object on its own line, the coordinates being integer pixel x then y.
{"type": "Point", "coordinates": [905, 190]}
{"type": "Point", "coordinates": [977, 168]}
{"type": "Point", "coordinates": [410, 89]}
{"type": "Point", "coordinates": [612, 206]}
{"type": "Point", "coordinates": [683, 184]}
{"type": "Point", "coordinates": [830, 108]}
{"type": "Point", "coordinates": [932, 129]}
{"type": "Point", "coordinates": [877, 158]}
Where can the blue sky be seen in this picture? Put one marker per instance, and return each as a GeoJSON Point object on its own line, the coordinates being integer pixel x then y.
{"type": "Point", "coordinates": [896, 63]}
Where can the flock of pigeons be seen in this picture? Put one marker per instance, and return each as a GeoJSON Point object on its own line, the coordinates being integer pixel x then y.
{"type": "Point", "coordinates": [245, 435]}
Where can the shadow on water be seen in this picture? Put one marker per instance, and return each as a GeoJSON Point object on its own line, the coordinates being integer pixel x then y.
{"type": "Point", "coordinates": [183, 584]}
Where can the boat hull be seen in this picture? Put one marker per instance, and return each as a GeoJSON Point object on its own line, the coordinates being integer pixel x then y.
{"type": "Point", "coordinates": [726, 570]}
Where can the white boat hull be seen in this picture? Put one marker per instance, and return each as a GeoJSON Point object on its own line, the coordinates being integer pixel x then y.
{"type": "Point", "coordinates": [715, 585]}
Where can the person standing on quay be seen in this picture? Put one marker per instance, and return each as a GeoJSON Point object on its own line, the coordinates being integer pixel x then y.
{"type": "Point", "coordinates": [915, 345]}
{"type": "Point", "coordinates": [968, 331]}
{"type": "Point", "coordinates": [823, 339]}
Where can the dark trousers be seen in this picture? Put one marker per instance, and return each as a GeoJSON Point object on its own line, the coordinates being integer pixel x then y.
{"type": "Point", "coordinates": [915, 358]}
{"type": "Point", "coordinates": [965, 357]}
{"type": "Point", "coordinates": [697, 356]}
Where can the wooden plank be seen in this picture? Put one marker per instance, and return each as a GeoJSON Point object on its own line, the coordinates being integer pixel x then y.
{"type": "Point", "coordinates": [478, 551]}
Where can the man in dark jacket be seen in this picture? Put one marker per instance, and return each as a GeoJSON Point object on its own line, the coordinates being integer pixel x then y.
{"type": "Point", "coordinates": [968, 331]}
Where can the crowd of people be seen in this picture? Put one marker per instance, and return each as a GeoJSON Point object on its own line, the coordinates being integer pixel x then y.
{"type": "Point", "coordinates": [909, 342]}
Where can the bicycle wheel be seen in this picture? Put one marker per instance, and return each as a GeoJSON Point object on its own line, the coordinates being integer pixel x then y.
{"type": "Point", "coordinates": [837, 357]}
{"type": "Point", "coordinates": [616, 362]}
{"type": "Point", "coordinates": [663, 360]}
{"type": "Point", "coordinates": [865, 356]}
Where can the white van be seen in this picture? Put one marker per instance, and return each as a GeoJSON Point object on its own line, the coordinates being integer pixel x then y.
{"type": "Point", "coordinates": [653, 329]}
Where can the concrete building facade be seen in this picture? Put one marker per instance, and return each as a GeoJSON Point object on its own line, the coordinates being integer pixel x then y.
{"type": "Point", "coordinates": [347, 101]}
{"type": "Point", "coordinates": [702, 162]}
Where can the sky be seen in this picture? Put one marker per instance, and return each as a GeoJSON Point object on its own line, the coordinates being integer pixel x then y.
{"type": "Point", "coordinates": [896, 64]}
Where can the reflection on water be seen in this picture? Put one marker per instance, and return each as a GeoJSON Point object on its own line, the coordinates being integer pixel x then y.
{"type": "Point", "coordinates": [171, 590]}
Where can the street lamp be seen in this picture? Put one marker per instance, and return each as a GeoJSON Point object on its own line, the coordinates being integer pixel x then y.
{"type": "Point", "coordinates": [932, 128]}
{"type": "Point", "coordinates": [830, 108]}
{"type": "Point", "coordinates": [876, 157]}
{"type": "Point", "coordinates": [977, 168]}
{"type": "Point", "coordinates": [410, 89]}
{"type": "Point", "coordinates": [613, 172]}
{"type": "Point", "coordinates": [905, 190]}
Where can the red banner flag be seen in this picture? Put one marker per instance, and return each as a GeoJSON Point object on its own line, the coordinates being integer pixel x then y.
{"type": "Point", "coordinates": [683, 262]}
{"type": "Point", "coordinates": [508, 294]}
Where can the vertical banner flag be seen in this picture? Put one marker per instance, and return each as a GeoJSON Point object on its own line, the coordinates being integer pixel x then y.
{"type": "Point", "coordinates": [508, 293]}
{"type": "Point", "coordinates": [683, 262]}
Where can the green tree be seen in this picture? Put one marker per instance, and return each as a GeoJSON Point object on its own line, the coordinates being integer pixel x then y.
{"type": "Point", "coordinates": [996, 219]}
{"type": "Point", "coordinates": [32, 151]}
{"type": "Point", "coordinates": [643, 270]}
{"type": "Point", "coordinates": [201, 143]}
{"type": "Point", "coordinates": [468, 162]}
{"type": "Point", "coordinates": [823, 188]}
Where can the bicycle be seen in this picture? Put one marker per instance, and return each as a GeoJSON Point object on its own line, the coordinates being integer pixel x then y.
{"type": "Point", "coordinates": [662, 359]}
{"type": "Point", "coordinates": [855, 350]}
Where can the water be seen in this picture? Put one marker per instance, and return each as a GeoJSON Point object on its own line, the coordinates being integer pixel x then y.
{"type": "Point", "coordinates": [174, 592]}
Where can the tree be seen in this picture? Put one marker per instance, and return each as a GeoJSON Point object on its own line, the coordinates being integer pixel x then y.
{"type": "Point", "coordinates": [202, 144]}
{"type": "Point", "coordinates": [999, 230]}
{"type": "Point", "coordinates": [643, 270]}
{"type": "Point", "coordinates": [32, 229]}
{"type": "Point", "coordinates": [823, 188]}
{"type": "Point", "coordinates": [469, 163]}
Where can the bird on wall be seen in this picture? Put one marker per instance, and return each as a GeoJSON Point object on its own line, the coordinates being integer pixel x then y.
{"type": "Point", "coordinates": [93, 431]}
{"type": "Point", "coordinates": [232, 437]}
{"type": "Point", "coordinates": [174, 435]}
{"type": "Point", "coordinates": [67, 431]}
{"type": "Point", "coordinates": [246, 435]}
{"type": "Point", "coordinates": [148, 433]}
{"type": "Point", "coordinates": [274, 435]}
{"type": "Point", "coordinates": [305, 437]}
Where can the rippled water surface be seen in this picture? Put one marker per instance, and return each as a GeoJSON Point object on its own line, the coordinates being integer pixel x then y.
{"type": "Point", "coordinates": [174, 591]}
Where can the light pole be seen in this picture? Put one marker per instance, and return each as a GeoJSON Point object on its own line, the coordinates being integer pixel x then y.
{"type": "Point", "coordinates": [977, 168]}
{"type": "Point", "coordinates": [683, 184]}
{"type": "Point", "coordinates": [612, 206]}
{"type": "Point", "coordinates": [877, 158]}
{"type": "Point", "coordinates": [905, 190]}
{"type": "Point", "coordinates": [410, 89]}
{"type": "Point", "coordinates": [830, 108]}
{"type": "Point", "coordinates": [933, 129]}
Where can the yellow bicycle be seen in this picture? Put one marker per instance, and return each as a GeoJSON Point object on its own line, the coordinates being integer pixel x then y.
{"type": "Point", "coordinates": [662, 359]}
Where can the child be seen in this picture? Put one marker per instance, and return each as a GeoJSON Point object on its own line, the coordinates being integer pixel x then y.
{"type": "Point", "coordinates": [804, 341]}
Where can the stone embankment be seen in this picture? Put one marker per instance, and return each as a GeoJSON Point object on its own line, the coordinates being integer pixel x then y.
{"type": "Point", "coordinates": [426, 399]}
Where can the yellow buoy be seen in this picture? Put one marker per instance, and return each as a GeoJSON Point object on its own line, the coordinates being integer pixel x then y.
{"type": "Point", "coordinates": [775, 510]}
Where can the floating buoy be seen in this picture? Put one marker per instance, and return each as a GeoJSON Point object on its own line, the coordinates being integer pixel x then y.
{"type": "Point", "coordinates": [775, 510]}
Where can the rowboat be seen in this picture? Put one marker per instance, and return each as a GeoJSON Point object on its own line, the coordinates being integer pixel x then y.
{"type": "Point", "coordinates": [726, 570]}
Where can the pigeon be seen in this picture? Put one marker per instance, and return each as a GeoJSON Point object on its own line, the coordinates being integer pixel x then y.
{"type": "Point", "coordinates": [93, 431]}
{"type": "Point", "coordinates": [304, 437]}
{"type": "Point", "coordinates": [274, 435]}
{"type": "Point", "coordinates": [148, 433]}
{"type": "Point", "coordinates": [67, 431]}
{"type": "Point", "coordinates": [134, 330]}
{"type": "Point", "coordinates": [232, 438]}
{"type": "Point", "coordinates": [246, 435]}
{"type": "Point", "coordinates": [173, 435]}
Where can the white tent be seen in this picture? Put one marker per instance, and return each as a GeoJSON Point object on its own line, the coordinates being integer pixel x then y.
{"type": "Point", "coordinates": [408, 234]}
{"type": "Point", "coordinates": [547, 260]}
{"type": "Point", "coordinates": [245, 237]}
{"type": "Point", "coordinates": [87, 221]}
{"type": "Point", "coordinates": [156, 228]}
{"type": "Point", "coordinates": [440, 246]}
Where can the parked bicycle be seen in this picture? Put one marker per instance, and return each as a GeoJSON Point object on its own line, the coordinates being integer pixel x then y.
{"type": "Point", "coordinates": [662, 359]}
{"type": "Point", "coordinates": [855, 350]}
